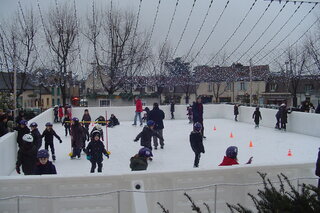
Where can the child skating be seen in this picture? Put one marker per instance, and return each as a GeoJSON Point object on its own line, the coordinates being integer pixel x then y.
{"type": "Point", "coordinates": [257, 117]}
{"type": "Point", "coordinates": [67, 124]}
{"type": "Point", "coordinates": [196, 143]}
{"type": "Point", "coordinates": [94, 152]}
{"type": "Point", "coordinates": [37, 139]}
{"type": "Point", "coordinates": [146, 135]}
{"type": "Point", "coordinates": [44, 166]}
{"type": "Point", "coordinates": [77, 134]}
{"type": "Point", "coordinates": [27, 155]}
{"type": "Point", "coordinates": [48, 134]}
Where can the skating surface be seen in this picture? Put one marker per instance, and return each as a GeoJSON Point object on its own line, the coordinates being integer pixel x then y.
{"type": "Point", "coordinates": [270, 147]}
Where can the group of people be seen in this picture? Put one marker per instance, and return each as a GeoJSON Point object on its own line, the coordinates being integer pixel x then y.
{"type": "Point", "coordinates": [8, 122]}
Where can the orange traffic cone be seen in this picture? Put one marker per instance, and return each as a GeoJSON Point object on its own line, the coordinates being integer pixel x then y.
{"type": "Point", "coordinates": [231, 135]}
{"type": "Point", "coordinates": [250, 145]}
{"type": "Point", "coordinates": [214, 128]}
{"type": "Point", "coordinates": [289, 153]}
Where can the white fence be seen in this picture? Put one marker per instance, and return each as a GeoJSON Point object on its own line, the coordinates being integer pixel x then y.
{"type": "Point", "coordinates": [114, 193]}
{"type": "Point", "coordinates": [118, 194]}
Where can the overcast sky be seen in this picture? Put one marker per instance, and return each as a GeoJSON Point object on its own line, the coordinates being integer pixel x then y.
{"type": "Point", "coordinates": [235, 11]}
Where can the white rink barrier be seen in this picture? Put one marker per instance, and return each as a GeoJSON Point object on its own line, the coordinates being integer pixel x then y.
{"type": "Point", "coordinates": [119, 193]}
{"type": "Point", "coordinates": [8, 144]}
{"type": "Point", "coordinates": [296, 120]}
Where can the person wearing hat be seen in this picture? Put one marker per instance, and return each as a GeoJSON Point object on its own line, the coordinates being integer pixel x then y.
{"type": "Point", "coordinates": [197, 111]}
{"type": "Point", "coordinates": [94, 152]}
{"type": "Point", "coordinates": [22, 130]}
{"type": "Point", "coordinates": [37, 139]}
{"type": "Point", "coordinates": [97, 127]}
{"type": "Point", "coordinates": [67, 124]}
{"type": "Point", "coordinates": [27, 155]}
{"type": "Point", "coordinates": [284, 116]}
{"type": "Point", "coordinates": [48, 134]}
{"type": "Point", "coordinates": [196, 143]}
{"type": "Point", "coordinates": [257, 117]}
{"type": "Point", "coordinates": [140, 161]}
{"type": "Point", "coordinates": [44, 166]}
{"type": "Point", "coordinates": [55, 113]}
{"type": "Point", "coordinates": [231, 157]}
{"type": "Point", "coordinates": [146, 134]}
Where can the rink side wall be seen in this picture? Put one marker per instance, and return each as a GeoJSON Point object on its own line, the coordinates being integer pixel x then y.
{"type": "Point", "coordinates": [220, 185]}
{"type": "Point", "coordinates": [8, 144]}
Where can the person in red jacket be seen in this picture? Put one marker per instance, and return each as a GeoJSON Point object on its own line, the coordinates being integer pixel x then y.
{"type": "Point", "coordinates": [231, 157]}
{"type": "Point", "coordinates": [138, 111]}
{"type": "Point", "coordinates": [60, 113]}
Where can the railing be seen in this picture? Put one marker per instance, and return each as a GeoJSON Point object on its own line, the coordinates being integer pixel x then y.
{"type": "Point", "coordinates": [118, 193]}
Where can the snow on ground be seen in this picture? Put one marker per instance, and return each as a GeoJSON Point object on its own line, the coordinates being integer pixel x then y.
{"type": "Point", "coordinates": [270, 147]}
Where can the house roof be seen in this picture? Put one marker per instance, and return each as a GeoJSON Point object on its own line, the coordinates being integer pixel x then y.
{"type": "Point", "coordinates": [6, 82]}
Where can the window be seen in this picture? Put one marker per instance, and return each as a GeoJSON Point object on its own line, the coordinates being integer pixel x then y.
{"type": "Point", "coordinates": [171, 88]}
{"type": "Point", "coordinates": [242, 86]}
{"type": "Point", "coordinates": [52, 101]}
{"type": "Point", "coordinates": [58, 101]}
{"type": "Point", "coordinates": [151, 89]}
{"type": "Point", "coordinates": [228, 87]}
{"type": "Point", "coordinates": [48, 101]}
{"type": "Point", "coordinates": [52, 91]}
{"type": "Point", "coordinates": [273, 87]}
{"type": "Point", "coordinates": [104, 102]}
{"type": "Point", "coordinates": [58, 91]}
{"type": "Point", "coordinates": [308, 87]}
{"type": "Point", "coordinates": [210, 87]}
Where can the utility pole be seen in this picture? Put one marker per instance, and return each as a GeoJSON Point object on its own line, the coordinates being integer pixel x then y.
{"type": "Point", "coordinates": [250, 76]}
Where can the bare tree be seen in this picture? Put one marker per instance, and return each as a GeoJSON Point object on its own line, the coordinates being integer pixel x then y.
{"type": "Point", "coordinates": [17, 48]}
{"type": "Point", "coordinates": [120, 52]}
{"type": "Point", "coordinates": [61, 30]}
{"type": "Point", "coordinates": [294, 70]}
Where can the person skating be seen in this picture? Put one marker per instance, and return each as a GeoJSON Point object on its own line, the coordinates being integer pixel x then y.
{"type": "Point", "coordinates": [86, 119]}
{"type": "Point", "coordinates": [44, 166]}
{"type": "Point", "coordinates": [278, 117]}
{"type": "Point", "coordinates": [94, 152]}
{"type": "Point", "coordinates": [55, 113]}
{"type": "Point", "coordinates": [146, 134]}
{"type": "Point", "coordinates": [22, 130]}
{"type": "Point", "coordinates": [98, 128]}
{"type": "Point", "coordinates": [48, 134]}
{"type": "Point", "coordinates": [67, 124]}
{"type": "Point", "coordinates": [197, 111]}
{"type": "Point", "coordinates": [138, 111]}
{"type": "Point", "coordinates": [101, 120]}
{"type": "Point", "coordinates": [77, 136]}
{"type": "Point", "coordinates": [189, 113]}
{"type": "Point", "coordinates": [231, 157]}
{"type": "Point", "coordinates": [172, 109]}
{"type": "Point", "coordinates": [37, 139]}
{"type": "Point", "coordinates": [157, 115]}
{"type": "Point", "coordinates": [27, 155]}
{"type": "Point", "coordinates": [140, 161]}
{"type": "Point", "coordinates": [284, 116]}
{"type": "Point", "coordinates": [257, 117]}
{"type": "Point", "coordinates": [145, 117]}
{"type": "Point", "coordinates": [60, 113]}
{"type": "Point", "coordinates": [196, 143]}
{"type": "Point", "coordinates": [236, 112]}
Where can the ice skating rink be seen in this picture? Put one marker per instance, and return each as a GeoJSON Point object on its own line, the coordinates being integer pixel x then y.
{"type": "Point", "coordinates": [270, 147]}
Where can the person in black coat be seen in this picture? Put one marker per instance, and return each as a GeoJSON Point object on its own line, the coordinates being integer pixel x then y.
{"type": "Point", "coordinates": [66, 123]}
{"type": "Point", "coordinates": [3, 125]}
{"type": "Point", "coordinates": [257, 116]}
{"type": "Point", "coordinates": [37, 139]}
{"type": "Point", "coordinates": [318, 170]}
{"type": "Point", "coordinates": [86, 119]}
{"type": "Point", "coordinates": [48, 134]}
{"type": "Point", "coordinates": [318, 109]}
{"type": "Point", "coordinates": [157, 115]}
{"type": "Point", "coordinates": [27, 155]}
{"type": "Point", "coordinates": [97, 127]}
{"type": "Point", "coordinates": [20, 117]}
{"type": "Point", "coordinates": [77, 136]}
{"type": "Point", "coordinates": [284, 116]}
{"type": "Point", "coordinates": [197, 112]}
{"type": "Point", "coordinates": [236, 112]}
{"type": "Point", "coordinates": [94, 152]}
{"type": "Point", "coordinates": [140, 161]}
{"type": "Point", "coordinates": [196, 143]}
{"type": "Point", "coordinates": [172, 109]}
{"type": "Point", "coordinates": [55, 113]}
{"type": "Point", "coordinates": [146, 135]}
{"type": "Point", "coordinates": [22, 130]}
{"type": "Point", "coordinates": [278, 117]}
{"type": "Point", "coordinates": [113, 121]}
{"type": "Point", "coordinates": [44, 166]}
